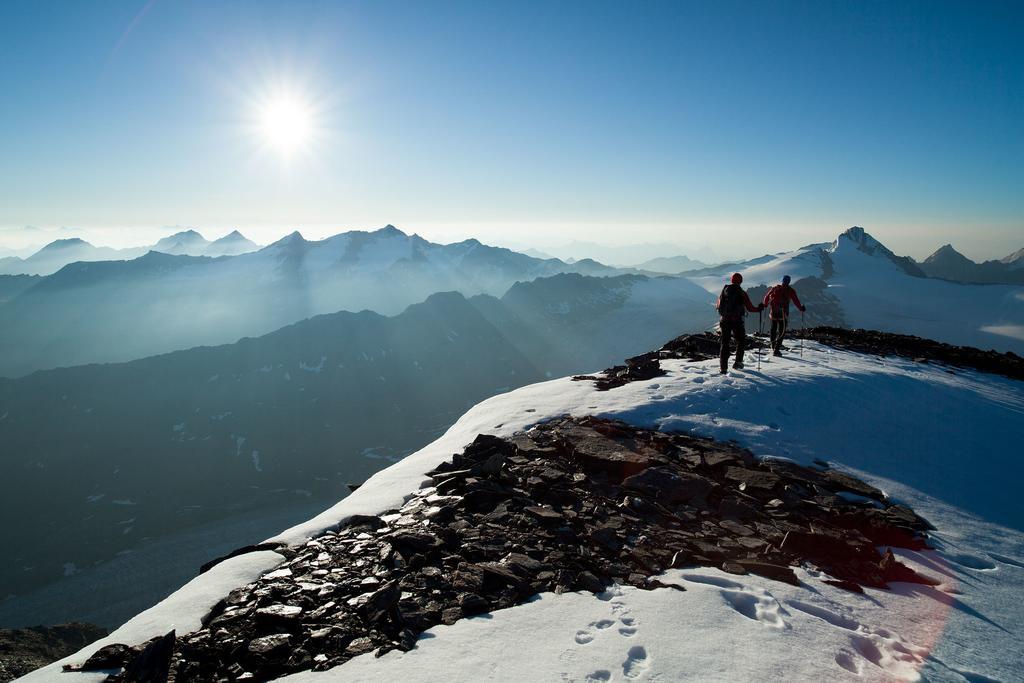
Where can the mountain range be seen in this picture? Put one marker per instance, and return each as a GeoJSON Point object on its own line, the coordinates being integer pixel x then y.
{"type": "Point", "coordinates": [120, 310]}
{"type": "Point", "coordinates": [114, 311]}
{"type": "Point", "coordinates": [60, 253]}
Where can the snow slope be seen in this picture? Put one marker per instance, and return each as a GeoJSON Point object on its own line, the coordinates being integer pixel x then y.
{"type": "Point", "coordinates": [944, 442]}
{"type": "Point", "coordinates": [876, 290]}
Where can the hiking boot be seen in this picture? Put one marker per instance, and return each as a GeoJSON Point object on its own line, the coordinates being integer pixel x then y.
{"type": "Point", "coordinates": [737, 365]}
{"type": "Point", "coordinates": [777, 352]}
{"type": "Point", "coordinates": [723, 371]}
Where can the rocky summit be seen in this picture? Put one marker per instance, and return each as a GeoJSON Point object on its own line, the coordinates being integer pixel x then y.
{"type": "Point", "coordinates": [575, 504]}
{"type": "Point", "coordinates": [705, 346]}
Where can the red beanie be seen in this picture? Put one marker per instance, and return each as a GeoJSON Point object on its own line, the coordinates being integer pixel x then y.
{"type": "Point", "coordinates": [737, 278]}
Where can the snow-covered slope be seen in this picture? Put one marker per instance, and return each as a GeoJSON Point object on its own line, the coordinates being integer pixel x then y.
{"type": "Point", "coordinates": [945, 441]}
{"type": "Point", "coordinates": [876, 289]}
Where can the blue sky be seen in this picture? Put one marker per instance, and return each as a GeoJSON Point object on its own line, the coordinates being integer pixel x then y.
{"type": "Point", "coordinates": [749, 127]}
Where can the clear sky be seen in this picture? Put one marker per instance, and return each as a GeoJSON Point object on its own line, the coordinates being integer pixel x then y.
{"type": "Point", "coordinates": [749, 127]}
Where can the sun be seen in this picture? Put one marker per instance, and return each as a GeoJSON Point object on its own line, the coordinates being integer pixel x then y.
{"type": "Point", "coordinates": [285, 122]}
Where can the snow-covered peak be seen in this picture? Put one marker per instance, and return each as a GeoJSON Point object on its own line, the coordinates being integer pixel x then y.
{"type": "Point", "coordinates": [857, 238]}
{"type": "Point", "coordinates": [1014, 260]}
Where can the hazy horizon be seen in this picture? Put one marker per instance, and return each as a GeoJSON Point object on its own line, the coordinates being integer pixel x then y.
{"type": "Point", "coordinates": [746, 129]}
{"type": "Point", "coordinates": [559, 240]}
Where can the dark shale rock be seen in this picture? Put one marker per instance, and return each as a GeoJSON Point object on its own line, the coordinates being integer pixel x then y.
{"type": "Point", "coordinates": [645, 366]}
{"type": "Point", "coordinates": [151, 664]}
{"type": "Point", "coordinates": [268, 644]}
{"type": "Point", "coordinates": [113, 656]}
{"type": "Point", "coordinates": [670, 487]}
{"type": "Point", "coordinates": [240, 551]}
{"type": "Point", "coordinates": [572, 504]}
{"type": "Point", "coordinates": [471, 604]}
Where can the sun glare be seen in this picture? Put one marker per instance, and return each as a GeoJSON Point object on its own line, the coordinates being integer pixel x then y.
{"type": "Point", "coordinates": [286, 123]}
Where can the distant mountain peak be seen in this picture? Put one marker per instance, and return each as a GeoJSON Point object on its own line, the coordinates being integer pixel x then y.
{"type": "Point", "coordinates": [186, 234]}
{"type": "Point", "coordinates": [294, 237]}
{"type": "Point", "coordinates": [232, 236]}
{"type": "Point", "coordinates": [861, 238]}
{"type": "Point", "coordinates": [181, 241]}
{"type": "Point", "coordinates": [947, 254]}
{"type": "Point", "coordinates": [389, 231]}
{"type": "Point", "coordinates": [863, 241]}
{"type": "Point", "coordinates": [65, 244]}
{"type": "Point", "coordinates": [1016, 258]}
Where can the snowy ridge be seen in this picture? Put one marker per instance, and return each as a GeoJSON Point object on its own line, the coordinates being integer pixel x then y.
{"type": "Point", "coordinates": [829, 404]}
{"type": "Point", "coordinates": [878, 290]}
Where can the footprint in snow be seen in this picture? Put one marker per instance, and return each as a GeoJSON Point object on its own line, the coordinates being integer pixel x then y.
{"type": "Point", "coordinates": [971, 561]}
{"type": "Point", "coordinates": [882, 648]}
{"type": "Point", "coordinates": [754, 603]}
{"type": "Point", "coordinates": [712, 581]}
{"type": "Point", "coordinates": [586, 635]}
{"type": "Point", "coordinates": [972, 677]}
{"type": "Point", "coordinates": [636, 662]}
{"type": "Point", "coordinates": [598, 676]}
{"type": "Point", "coordinates": [1007, 560]}
{"type": "Point", "coordinates": [698, 380]}
{"type": "Point", "coordinates": [759, 605]}
{"type": "Point", "coordinates": [850, 662]}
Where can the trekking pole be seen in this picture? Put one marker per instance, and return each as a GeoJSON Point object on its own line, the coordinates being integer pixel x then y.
{"type": "Point", "coordinates": [803, 326]}
{"type": "Point", "coordinates": [757, 338]}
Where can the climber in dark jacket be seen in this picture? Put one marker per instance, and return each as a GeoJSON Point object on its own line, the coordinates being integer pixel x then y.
{"type": "Point", "coordinates": [733, 304]}
{"type": "Point", "coordinates": [777, 300]}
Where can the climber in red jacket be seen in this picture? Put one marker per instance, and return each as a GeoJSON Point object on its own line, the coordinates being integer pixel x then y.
{"type": "Point", "coordinates": [733, 304]}
{"type": "Point", "coordinates": [777, 301]}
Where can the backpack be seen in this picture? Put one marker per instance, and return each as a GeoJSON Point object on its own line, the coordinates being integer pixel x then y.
{"type": "Point", "coordinates": [730, 303]}
{"type": "Point", "coordinates": [777, 299]}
